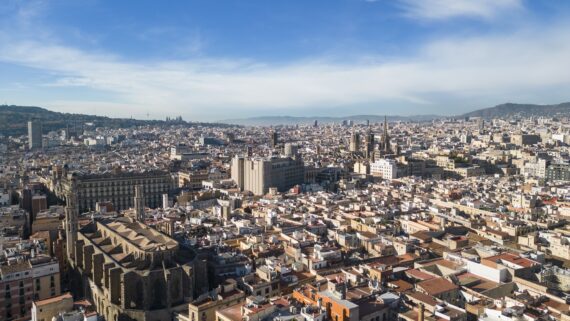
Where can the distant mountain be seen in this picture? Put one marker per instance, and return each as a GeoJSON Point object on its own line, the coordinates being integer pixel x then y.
{"type": "Point", "coordinates": [503, 110]}
{"type": "Point", "coordinates": [523, 110]}
{"type": "Point", "coordinates": [14, 120]}
{"type": "Point", "coordinates": [292, 120]}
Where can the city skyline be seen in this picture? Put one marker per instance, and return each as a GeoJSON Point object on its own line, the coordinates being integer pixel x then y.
{"type": "Point", "coordinates": [255, 160]}
{"type": "Point", "coordinates": [212, 62]}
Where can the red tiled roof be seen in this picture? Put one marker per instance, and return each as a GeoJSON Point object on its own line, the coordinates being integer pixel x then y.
{"type": "Point", "coordinates": [436, 286]}
{"type": "Point", "coordinates": [417, 274]}
{"type": "Point", "coordinates": [512, 258]}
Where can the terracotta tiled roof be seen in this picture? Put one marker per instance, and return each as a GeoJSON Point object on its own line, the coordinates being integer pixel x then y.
{"type": "Point", "coordinates": [437, 286]}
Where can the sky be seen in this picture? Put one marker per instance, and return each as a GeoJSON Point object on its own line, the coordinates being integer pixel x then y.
{"type": "Point", "coordinates": [208, 60]}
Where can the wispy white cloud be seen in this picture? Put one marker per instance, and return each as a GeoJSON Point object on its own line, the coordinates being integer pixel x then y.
{"type": "Point", "coordinates": [27, 11]}
{"type": "Point", "coordinates": [467, 68]}
{"type": "Point", "coordinates": [474, 70]}
{"type": "Point", "coordinates": [443, 9]}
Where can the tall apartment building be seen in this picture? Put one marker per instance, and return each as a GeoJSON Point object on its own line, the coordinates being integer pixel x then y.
{"type": "Point", "coordinates": [117, 188]}
{"type": "Point", "coordinates": [525, 139]}
{"type": "Point", "coordinates": [33, 200]}
{"type": "Point", "coordinates": [385, 146]}
{"type": "Point", "coordinates": [34, 134]}
{"type": "Point", "coordinates": [385, 168]}
{"type": "Point", "coordinates": [23, 282]}
{"type": "Point", "coordinates": [291, 149]}
{"type": "Point", "coordinates": [46, 275]}
{"type": "Point", "coordinates": [362, 167]}
{"type": "Point", "coordinates": [558, 172]}
{"type": "Point", "coordinates": [274, 139]}
{"type": "Point", "coordinates": [16, 284]}
{"type": "Point", "coordinates": [39, 203]}
{"type": "Point", "coordinates": [370, 142]}
{"type": "Point", "coordinates": [258, 175]}
{"type": "Point", "coordinates": [535, 169]}
{"type": "Point", "coordinates": [355, 142]}
{"type": "Point", "coordinates": [238, 171]}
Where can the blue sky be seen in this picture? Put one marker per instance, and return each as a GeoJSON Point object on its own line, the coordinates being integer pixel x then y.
{"type": "Point", "coordinates": [212, 60]}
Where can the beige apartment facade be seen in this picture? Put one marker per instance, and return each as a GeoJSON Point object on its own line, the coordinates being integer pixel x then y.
{"type": "Point", "coordinates": [259, 175]}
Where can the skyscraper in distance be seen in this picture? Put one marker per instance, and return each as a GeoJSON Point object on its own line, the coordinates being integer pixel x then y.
{"type": "Point", "coordinates": [386, 137]}
{"type": "Point", "coordinates": [369, 143]}
{"type": "Point", "coordinates": [355, 142]}
{"type": "Point", "coordinates": [34, 134]}
{"type": "Point", "coordinates": [291, 149]}
{"type": "Point", "coordinates": [274, 139]}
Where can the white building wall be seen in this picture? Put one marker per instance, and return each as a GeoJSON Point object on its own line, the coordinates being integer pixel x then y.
{"type": "Point", "coordinates": [385, 168]}
{"type": "Point", "coordinates": [489, 273]}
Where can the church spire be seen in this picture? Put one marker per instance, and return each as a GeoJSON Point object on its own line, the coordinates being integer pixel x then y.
{"type": "Point", "coordinates": [71, 220]}
{"type": "Point", "coordinates": [139, 204]}
{"type": "Point", "coordinates": [385, 137]}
